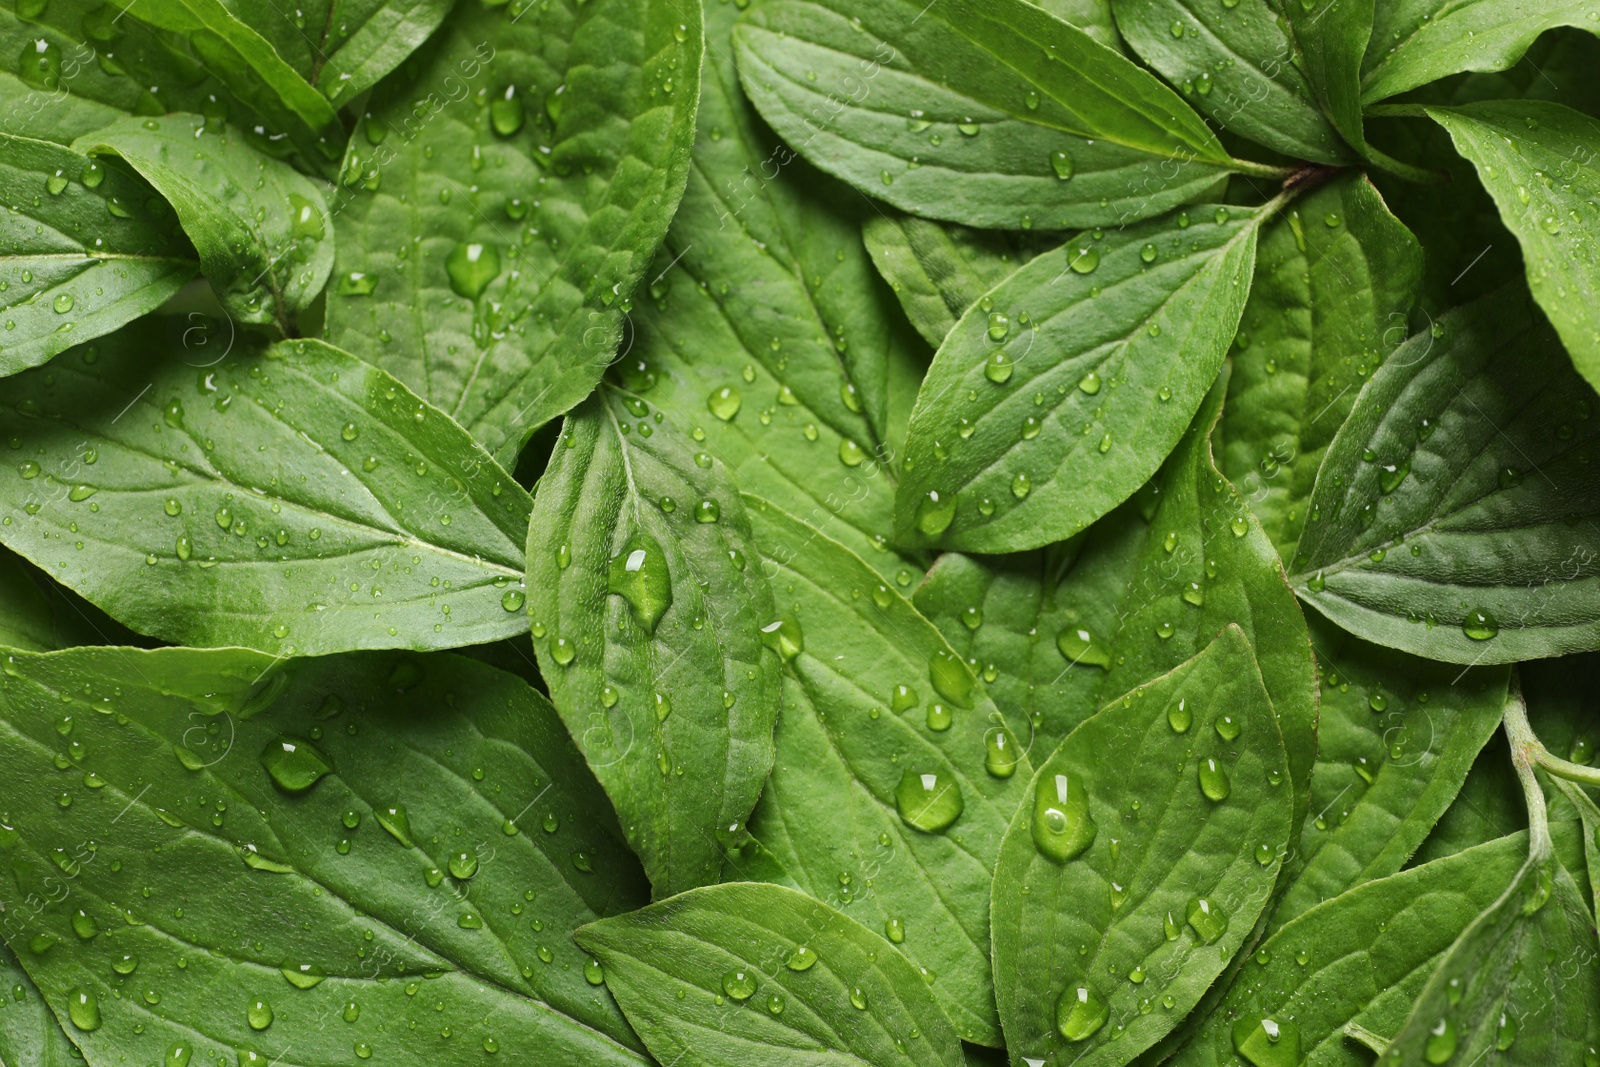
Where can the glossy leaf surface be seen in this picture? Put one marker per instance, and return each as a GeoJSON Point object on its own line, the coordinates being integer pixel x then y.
{"type": "Point", "coordinates": [649, 605]}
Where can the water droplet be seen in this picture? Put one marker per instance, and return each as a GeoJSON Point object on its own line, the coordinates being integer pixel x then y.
{"type": "Point", "coordinates": [506, 112]}
{"type": "Point", "coordinates": [998, 367]}
{"type": "Point", "coordinates": [63, 303]}
{"type": "Point", "coordinates": [83, 1008]}
{"type": "Point", "coordinates": [125, 964]}
{"type": "Point", "coordinates": [463, 865]}
{"type": "Point", "coordinates": [929, 802]}
{"type": "Point", "coordinates": [1227, 727]}
{"type": "Point", "coordinates": [999, 753]}
{"type": "Point", "coordinates": [258, 1014]}
{"type": "Point", "coordinates": [707, 511]}
{"type": "Point", "coordinates": [1080, 1013]}
{"type": "Point", "coordinates": [1266, 1042]}
{"type": "Point", "coordinates": [801, 959]}
{"type": "Point", "coordinates": [471, 268]}
{"type": "Point", "coordinates": [950, 677]}
{"type": "Point", "coordinates": [935, 513]}
{"type": "Point", "coordinates": [1081, 646]}
{"type": "Point", "coordinates": [895, 930]}
{"type": "Point", "coordinates": [739, 984]}
{"type": "Point", "coordinates": [1083, 259]}
{"type": "Point", "coordinates": [999, 326]}
{"type": "Point", "coordinates": [724, 403]}
{"type": "Point", "coordinates": [939, 718]}
{"type": "Point", "coordinates": [394, 819]}
{"type": "Point", "coordinates": [350, 431]}
{"type": "Point", "coordinates": [593, 973]}
{"type": "Point", "coordinates": [858, 998]}
{"type": "Point", "coordinates": [1207, 920]}
{"type": "Point", "coordinates": [513, 599]}
{"type": "Point", "coordinates": [303, 976]}
{"type": "Point", "coordinates": [1214, 781]}
{"type": "Point", "coordinates": [1061, 163]}
{"type": "Point", "coordinates": [1062, 824]}
{"type": "Point", "coordinates": [84, 926]}
{"type": "Point", "coordinates": [1265, 854]}
{"type": "Point", "coordinates": [1441, 1043]}
{"type": "Point", "coordinates": [1179, 717]}
{"type": "Point", "coordinates": [785, 638]}
{"type": "Point", "coordinates": [639, 575]}
{"type": "Point", "coordinates": [293, 764]}
{"type": "Point", "coordinates": [1506, 1033]}
{"type": "Point", "coordinates": [1480, 626]}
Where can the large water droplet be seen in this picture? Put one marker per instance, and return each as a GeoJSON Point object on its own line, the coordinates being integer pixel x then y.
{"type": "Point", "coordinates": [724, 403]}
{"type": "Point", "coordinates": [1081, 646]}
{"type": "Point", "coordinates": [83, 1008]}
{"type": "Point", "coordinates": [1267, 1042]}
{"type": "Point", "coordinates": [1480, 626]}
{"type": "Point", "coordinates": [929, 801]}
{"type": "Point", "coordinates": [1080, 1013]}
{"type": "Point", "coordinates": [506, 112]}
{"type": "Point", "coordinates": [1208, 921]}
{"type": "Point", "coordinates": [784, 638]}
{"type": "Point", "coordinates": [394, 819]}
{"type": "Point", "coordinates": [1061, 163]}
{"type": "Point", "coordinates": [1214, 781]}
{"type": "Point", "coordinates": [294, 765]}
{"type": "Point", "coordinates": [639, 575]}
{"type": "Point", "coordinates": [999, 753]}
{"type": "Point", "coordinates": [471, 267]}
{"type": "Point", "coordinates": [258, 1014]}
{"type": "Point", "coordinates": [1441, 1043]}
{"type": "Point", "coordinates": [950, 678]}
{"type": "Point", "coordinates": [935, 513]}
{"type": "Point", "coordinates": [1062, 824]}
{"type": "Point", "coordinates": [739, 984]}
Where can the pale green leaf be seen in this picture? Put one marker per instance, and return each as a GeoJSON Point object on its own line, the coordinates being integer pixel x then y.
{"type": "Point", "coordinates": [884, 729]}
{"type": "Point", "coordinates": [1336, 278]}
{"type": "Point", "coordinates": [935, 108]}
{"type": "Point", "coordinates": [708, 979]}
{"type": "Point", "coordinates": [261, 228]}
{"type": "Point", "coordinates": [1111, 893]}
{"type": "Point", "coordinates": [422, 854]}
{"type": "Point", "coordinates": [1052, 406]}
{"type": "Point", "coordinates": [1467, 535]}
{"type": "Point", "coordinates": [1538, 161]}
{"type": "Point", "coordinates": [80, 259]}
{"type": "Point", "coordinates": [649, 604]}
{"type": "Point", "coordinates": [504, 196]}
{"type": "Point", "coordinates": [294, 500]}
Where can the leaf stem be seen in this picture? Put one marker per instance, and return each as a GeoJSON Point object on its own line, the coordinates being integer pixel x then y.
{"type": "Point", "coordinates": [1262, 170]}
{"type": "Point", "coordinates": [1526, 753]}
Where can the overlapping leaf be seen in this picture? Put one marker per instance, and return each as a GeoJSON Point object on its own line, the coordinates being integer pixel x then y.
{"type": "Point", "coordinates": [936, 109]}
{"type": "Point", "coordinates": [1336, 276]}
{"type": "Point", "coordinates": [938, 270]}
{"type": "Point", "coordinates": [1053, 404]}
{"type": "Point", "coordinates": [1236, 64]}
{"type": "Point", "coordinates": [1106, 884]}
{"type": "Point", "coordinates": [768, 331]}
{"type": "Point", "coordinates": [896, 776]}
{"type": "Point", "coordinates": [649, 607]}
{"type": "Point", "coordinates": [1330, 40]}
{"type": "Point", "coordinates": [1062, 632]}
{"type": "Point", "coordinates": [260, 227]}
{"type": "Point", "coordinates": [424, 820]}
{"type": "Point", "coordinates": [1418, 41]}
{"type": "Point", "coordinates": [745, 975]}
{"type": "Point", "coordinates": [85, 248]}
{"type": "Point", "coordinates": [503, 198]}
{"type": "Point", "coordinates": [294, 500]}
{"type": "Point", "coordinates": [1537, 160]}
{"type": "Point", "coordinates": [1454, 514]}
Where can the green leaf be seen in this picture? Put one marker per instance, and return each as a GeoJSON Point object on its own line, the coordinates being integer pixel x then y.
{"type": "Point", "coordinates": [1418, 41]}
{"type": "Point", "coordinates": [1396, 736]}
{"type": "Point", "coordinates": [31, 1036]}
{"type": "Point", "coordinates": [486, 253]}
{"type": "Point", "coordinates": [1108, 881]}
{"type": "Point", "coordinates": [34, 103]}
{"type": "Point", "coordinates": [1236, 64]}
{"type": "Point", "coordinates": [1330, 39]}
{"type": "Point", "coordinates": [649, 610]}
{"type": "Point", "coordinates": [1491, 1000]}
{"type": "Point", "coordinates": [896, 775]}
{"type": "Point", "coordinates": [1093, 17]}
{"type": "Point", "coordinates": [433, 834]}
{"type": "Point", "coordinates": [745, 975]}
{"type": "Point", "coordinates": [1065, 631]}
{"type": "Point", "coordinates": [935, 109]}
{"type": "Point", "coordinates": [80, 261]}
{"type": "Point", "coordinates": [1359, 958]}
{"type": "Point", "coordinates": [768, 331]}
{"type": "Point", "coordinates": [938, 271]}
{"type": "Point", "coordinates": [244, 61]}
{"type": "Point", "coordinates": [1336, 277]}
{"type": "Point", "coordinates": [260, 226]}
{"type": "Point", "coordinates": [1466, 536]}
{"type": "Point", "coordinates": [37, 615]}
{"type": "Point", "coordinates": [295, 500]}
{"type": "Point", "coordinates": [1589, 816]}
{"type": "Point", "coordinates": [1051, 407]}
{"type": "Point", "coordinates": [343, 48]}
{"type": "Point", "coordinates": [1537, 160]}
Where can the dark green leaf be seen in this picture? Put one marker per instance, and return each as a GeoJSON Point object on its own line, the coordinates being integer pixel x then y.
{"type": "Point", "coordinates": [649, 611]}
{"type": "Point", "coordinates": [433, 834]}
{"type": "Point", "coordinates": [1236, 64]}
{"type": "Point", "coordinates": [1065, 631]}
{"type": "Point", "coordinates": [1331, 39]}
{"type": "Point", "coordinates": [769, 333]}
{"type": "Point", "coordinates": [1467, 535]}
{"type": "Point", "coordinates": [1589, 817]}
{"type": "Point", "coordinates": [896, 775]}
{"type": "Point", "coordinates": [504, 197]}
{"type": "Point", "coordinates": [295, 500]}
{"type": "Point", "coordinates": [1418, 41]}
{"type": "Point", "coordinates": [1117, 904]}
{"type": "Point", "coordinates": [1360, 958]}
{"type": "Point", "coordinates": [80, 261]}
{"type": "Point", "coordinates": [938, 270]}
{"type": "Point", "coordinates": [745, 975]}
{"type": "Point", "coordinates": [261, 227]}
{"type": "Point", "coordinates": [1048, 408]}
{"type": "Point", "coordinates": [1538, 161]}
{"type": "Point", "coordinates": [37, 615]}
{"type": "Point", "coordinates": [1336, 276]}
{"type": "Point", "coordinates": [1395, 739]}
{"type": "Point", "coordinates": [30, 1036]}
{"type": "Point", "coordinates": [1519, 986]}
{"type": "Point", "coordinates": [339, 46]}
{"type": "Point", "coordinates": [935, 108]}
